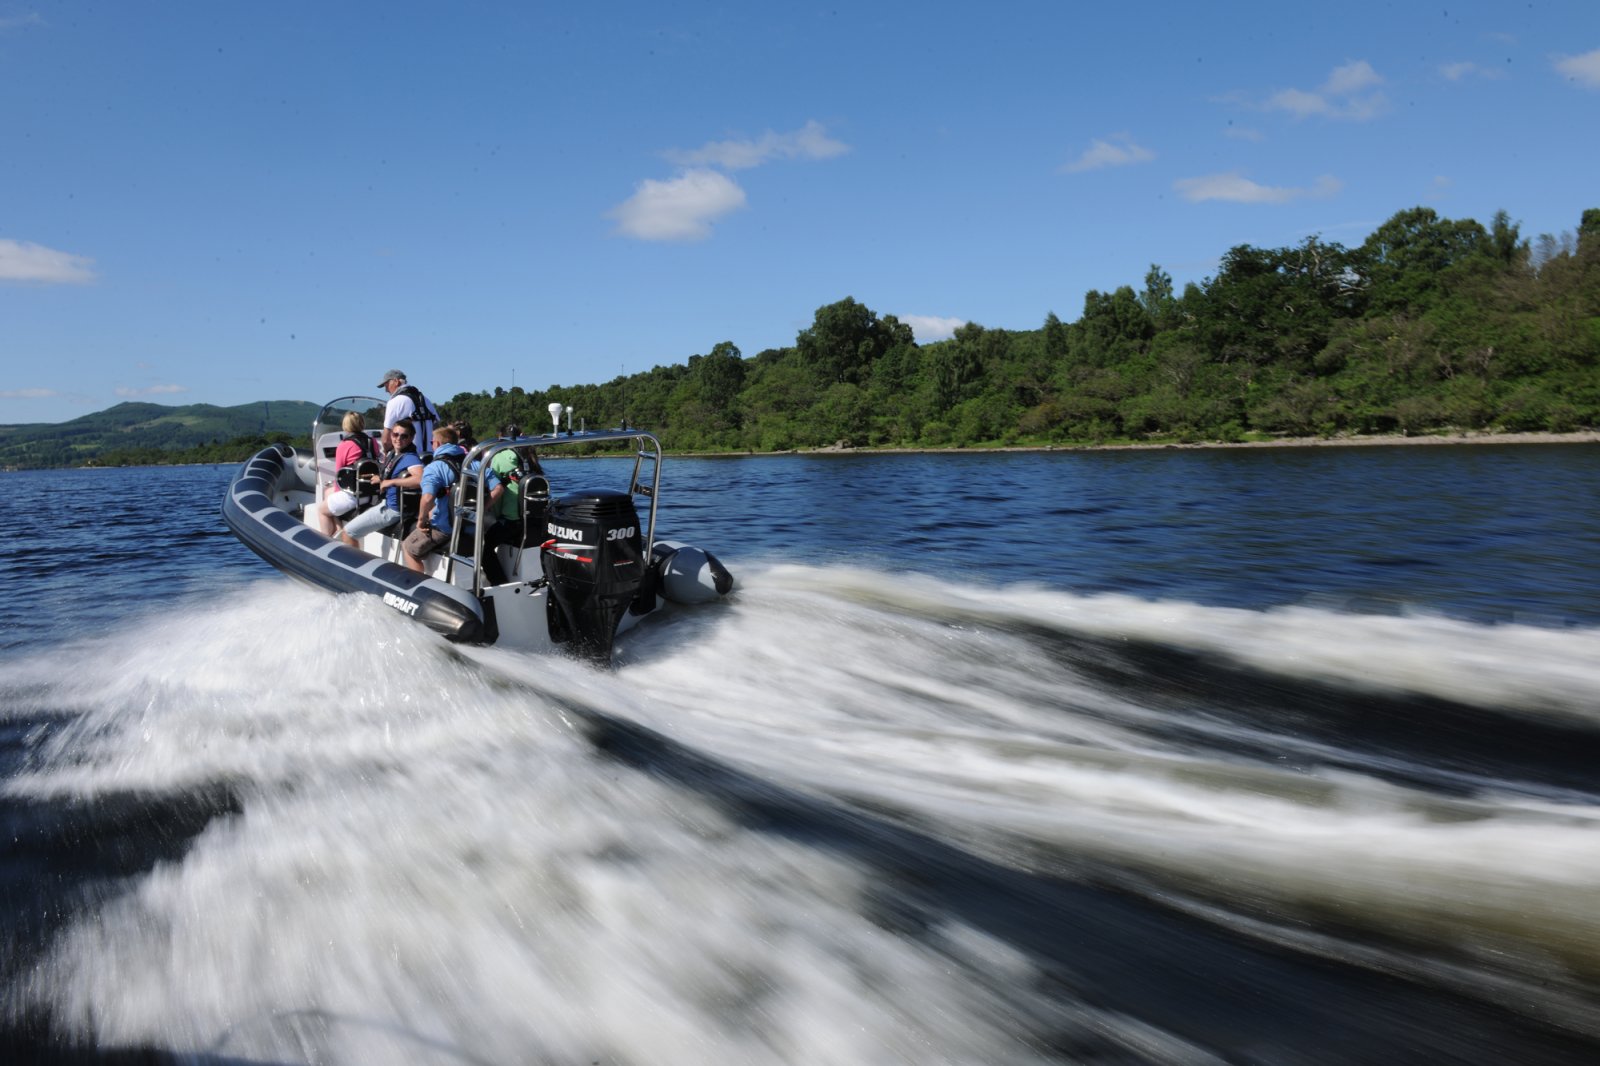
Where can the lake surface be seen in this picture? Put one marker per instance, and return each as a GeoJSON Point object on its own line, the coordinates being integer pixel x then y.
{"type": "Point", "coordinates": [1176, 756]}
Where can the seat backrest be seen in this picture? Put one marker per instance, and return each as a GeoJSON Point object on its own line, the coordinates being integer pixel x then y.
{"type": "Point", "coordinates": [358, 475]}
{"type": "Point", "coordinates": [327, 449]}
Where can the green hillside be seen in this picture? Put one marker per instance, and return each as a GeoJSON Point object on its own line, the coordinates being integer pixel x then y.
{"type": "Point", "coordinates": [1428, 326]}
{"type": "Point", "coordinates": [145, 432]}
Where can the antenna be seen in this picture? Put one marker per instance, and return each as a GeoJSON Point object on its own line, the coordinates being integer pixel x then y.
{"type": "Point", "coordinates": [555, 410]}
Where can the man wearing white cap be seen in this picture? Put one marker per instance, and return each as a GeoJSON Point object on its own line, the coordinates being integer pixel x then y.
{"type": "Point", "coordinates": [407, 401]}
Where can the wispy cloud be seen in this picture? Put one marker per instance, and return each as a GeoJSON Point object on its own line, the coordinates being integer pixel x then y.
{"type": "Point", "coordinates": [683, 208]}
{"type": "Point", "coordinates": [1242, 133]}
{"type": "Point", "coordinates": [1584, 69]}
{"type": "Point", "coordinates": [149, 390]}
{"type": "Point", "coordinates": [678, 209]}
{"type": "Point", "coordinates": [810, 141]}
{"type": "Point", "coordinates": [1467, 69]}
{"type": "Point", "coordinates": [1234, 187]}
{"type": "Point", "coordinates": [1353, 77]}
{"type": "Point", "coordinates": [929, 328]}
{"type": "Point", "coordinates": [17, 22]}
{"type": "Point", "coordinates": [24, 261]}
{"type": "Point", "coordinates": [1117, 150]}
{"type": "Point", "coordinates": [1349, 94]}
{"type": "Point", "coordinates": [1438, 187]}
{"type": "Point", "coordinates": [28, 394]}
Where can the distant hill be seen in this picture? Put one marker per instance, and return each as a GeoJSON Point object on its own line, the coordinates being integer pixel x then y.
{"type": "Point", "coordinates": [118, 434]}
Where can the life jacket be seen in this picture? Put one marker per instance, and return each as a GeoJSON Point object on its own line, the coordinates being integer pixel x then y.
{"type": "Point", "coordinates": [407, 498]}
{"type": "Point", "coordinates": [424, 408]}
{"type": "Point", "coordinates": [364, 441]}
{"type": "Point", "coordinates": [424, 416]}
{"type": "Point", "coordinates": [452, 460]}
{"type": "Point", "coordinates": [387, 473]}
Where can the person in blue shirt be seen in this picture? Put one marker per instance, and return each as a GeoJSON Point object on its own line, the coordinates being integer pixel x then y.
{"type": "Point", "coordinates": [402, 471]}
{"type": "Point", "coordinates": [433, 519]}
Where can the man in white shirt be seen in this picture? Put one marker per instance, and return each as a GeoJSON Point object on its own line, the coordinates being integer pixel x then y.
{"type": "Point", "coordinates": [407, 401]}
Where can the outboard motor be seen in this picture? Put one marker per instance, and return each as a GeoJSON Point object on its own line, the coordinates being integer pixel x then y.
{"type": "Point", "coordinates": [594, 564]}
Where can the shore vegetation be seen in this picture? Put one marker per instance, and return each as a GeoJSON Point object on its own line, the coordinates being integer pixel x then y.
{"type": "Point", "coordinates": [1430, 326]}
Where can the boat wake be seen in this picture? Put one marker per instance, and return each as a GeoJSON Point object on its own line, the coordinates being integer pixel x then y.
{"type": "Point", "coordinates": [855, 818]}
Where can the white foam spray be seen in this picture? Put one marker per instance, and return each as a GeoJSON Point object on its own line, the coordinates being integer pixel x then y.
{"type": "Point", "coordinates": [432, 864]}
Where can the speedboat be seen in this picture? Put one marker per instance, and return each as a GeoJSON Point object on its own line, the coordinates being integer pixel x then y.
{"type": "Point", "coordinates": [571, 572]}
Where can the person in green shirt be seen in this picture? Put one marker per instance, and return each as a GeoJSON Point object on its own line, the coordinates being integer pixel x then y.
{"type": "Point", "coordinates": [513, 473]}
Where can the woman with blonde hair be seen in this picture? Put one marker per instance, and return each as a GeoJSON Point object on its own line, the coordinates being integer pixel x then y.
{"type": "Point", "coordinates": [338, 501]}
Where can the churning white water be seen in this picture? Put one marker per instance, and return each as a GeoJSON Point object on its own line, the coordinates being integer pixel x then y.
{"type": "Point", "coordinates": [433, 861]}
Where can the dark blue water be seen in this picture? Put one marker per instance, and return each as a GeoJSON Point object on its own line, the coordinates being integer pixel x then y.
{"type": "Point", "coordinates": [1149, 756]}
{"type": "Point", "coordinates": [1488, 532]}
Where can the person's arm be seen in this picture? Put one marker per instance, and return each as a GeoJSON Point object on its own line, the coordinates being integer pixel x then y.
{"type": "Point", "coordinates": [410, 479]}
{"type": "Point", "coordinates": [425, 512]}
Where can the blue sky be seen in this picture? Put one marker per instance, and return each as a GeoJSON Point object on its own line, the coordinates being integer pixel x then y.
{"type": "Point", "coordinates": [222, 202]}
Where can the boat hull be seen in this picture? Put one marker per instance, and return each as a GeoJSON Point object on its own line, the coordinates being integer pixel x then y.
{"type": "Point", "coordinates": [254, 509]}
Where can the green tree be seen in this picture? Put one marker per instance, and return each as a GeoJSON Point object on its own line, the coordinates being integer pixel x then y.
{"type": "Point", "coordinates": [845, 338]}
{"type": "Point", "coordinates": [1406, 261]}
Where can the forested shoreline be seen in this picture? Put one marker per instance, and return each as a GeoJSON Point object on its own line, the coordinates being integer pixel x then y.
{"type": "Point", "coordinates": [1430, 326]}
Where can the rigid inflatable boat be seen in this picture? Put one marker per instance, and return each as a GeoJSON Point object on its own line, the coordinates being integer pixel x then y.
{"type": "Point", "coordinates": [570, 572]}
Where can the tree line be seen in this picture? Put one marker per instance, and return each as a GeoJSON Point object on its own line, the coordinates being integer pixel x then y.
{"type": "Point", "coordinates": [1431, 324]}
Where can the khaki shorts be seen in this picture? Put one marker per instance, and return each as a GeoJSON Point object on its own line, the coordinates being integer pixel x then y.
{"type": "Point", "coordinates": [420, 542]}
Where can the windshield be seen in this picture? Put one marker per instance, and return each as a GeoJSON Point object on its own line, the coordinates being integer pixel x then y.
{"type": "Point", "coordinates": [331, 418]}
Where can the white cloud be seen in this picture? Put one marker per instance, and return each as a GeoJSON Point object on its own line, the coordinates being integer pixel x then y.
{"type": "Point", "coordinates": [1342, 96]}
{"type": "Point", "coordinates": [1235, 188]}
{"type": "Point", "coordinates": [1351, 78]}
{"type": "Point", "coordinates": [23, 261]}
{"type": "Point", "coordinates": [150, 390]}
{"type": "Point", "coordinates": [15, 22]}
{"type": "Point", "coordinates": [1584, 69]}
{"type": "Point", "coordinates": [679, 209]}
{"type": "Point", "coordinates": [1118, 150]}
{"type": "Point", "coordinates": [1299, 102]}
{"type": "Point", "coordinates": [1242, 133]}
{"type": "Point", "coordinates": [929, 328]}
{"type": "Point", "coordinates": [811, 141]}
{"type": "Point", "coordinates": [28, 394]}
{"type": "Point", "coordinates": [1466, 69]}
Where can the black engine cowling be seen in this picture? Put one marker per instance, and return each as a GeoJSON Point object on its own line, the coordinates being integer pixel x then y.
{"type": "Point", "coordinates": [593, 560]}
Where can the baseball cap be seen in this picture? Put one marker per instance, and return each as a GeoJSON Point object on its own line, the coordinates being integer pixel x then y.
{"type": "Point", "coordinates": [390, 375]}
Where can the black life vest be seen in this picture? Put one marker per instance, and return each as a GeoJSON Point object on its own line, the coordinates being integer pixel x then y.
{"type": "Point", "coordinates": [424, 409]}
{"type": "Point", "coordinates": [450, 459]}
{"type": "Point", "coordinates": [364, 441]}
{"type": "Point", "coordinates": [387, 473]}
{"type": "Point", "coordinates": [409, 498]}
